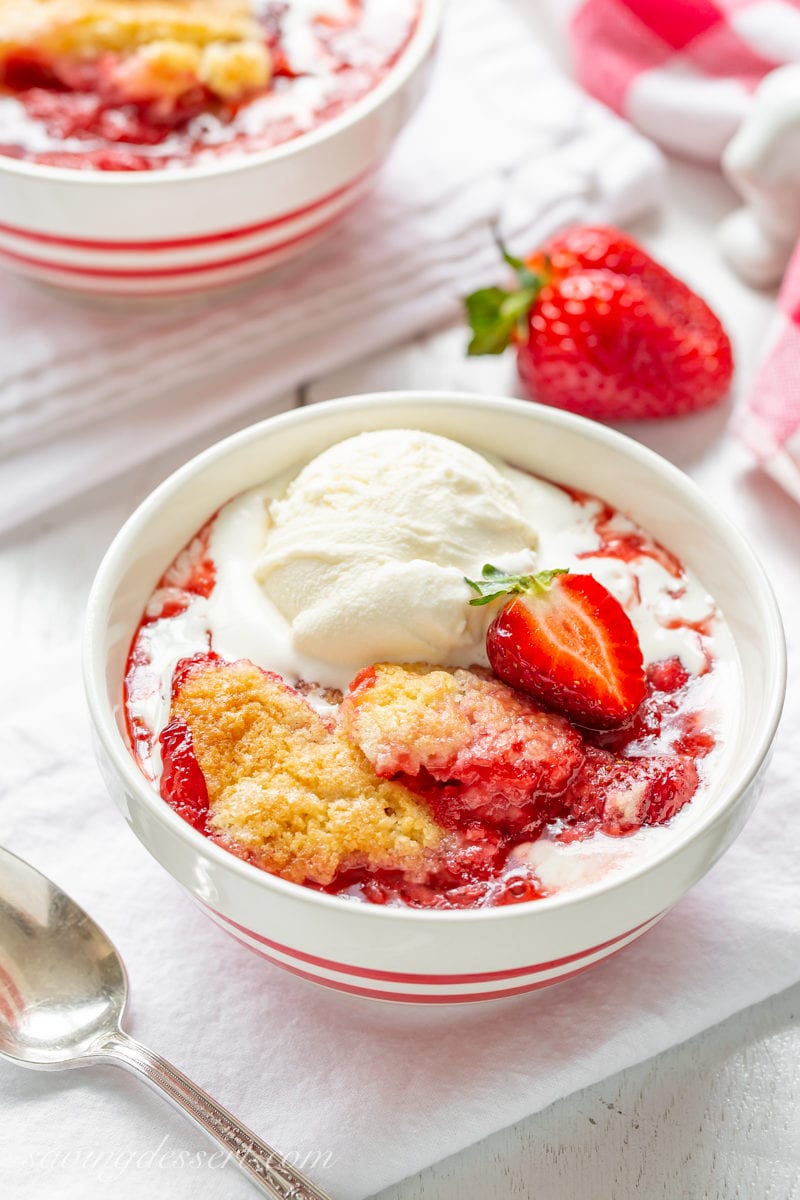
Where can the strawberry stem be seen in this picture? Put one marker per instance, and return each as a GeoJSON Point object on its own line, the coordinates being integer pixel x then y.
{"type": "Point", "coordinates": [497, 315]}
{"type": "Point", "coordinates": [525, 276]}
{"type": "Point", "coordinates": [494, 583]}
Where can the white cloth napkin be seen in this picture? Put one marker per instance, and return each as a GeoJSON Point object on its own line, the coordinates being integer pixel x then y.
{"type": "Point", "coordinates": [501, 139]}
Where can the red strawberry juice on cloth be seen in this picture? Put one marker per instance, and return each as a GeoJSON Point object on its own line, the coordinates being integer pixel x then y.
{"type": "Point", "coordinates": [346, 586]}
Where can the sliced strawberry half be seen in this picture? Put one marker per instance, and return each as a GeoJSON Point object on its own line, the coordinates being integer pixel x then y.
{"type": "Point", "coordinates": [566, 640]}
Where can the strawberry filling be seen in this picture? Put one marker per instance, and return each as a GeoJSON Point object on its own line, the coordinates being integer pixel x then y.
{"type": "Point", "coordinates": [493, 780]}
{"type": "Point", "coordinates": [183, 785]}
{"type": "Point", "coordinates": [496, 758]}
{"type": "Point", "coordinates": [620, 795]}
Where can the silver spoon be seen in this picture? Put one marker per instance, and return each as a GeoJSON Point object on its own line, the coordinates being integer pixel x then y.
{"type": "Point", "coordinates": [63, 989]}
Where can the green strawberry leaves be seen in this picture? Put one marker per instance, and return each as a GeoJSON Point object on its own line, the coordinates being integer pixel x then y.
{"type": "Point", "coordinates": [526, 277]}
{"type": "Point", "coordinates": [494, 583]}
{"type": "Point", "coordinates": [496, 314]}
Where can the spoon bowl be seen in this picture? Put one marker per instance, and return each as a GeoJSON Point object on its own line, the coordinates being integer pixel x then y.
{"type": "Point", "coordinates": [63, 986]}
{"type": "Point", "coordinates": [63, 989]}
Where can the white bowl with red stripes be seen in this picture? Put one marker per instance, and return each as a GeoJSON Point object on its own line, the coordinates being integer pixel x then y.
{"type": "Point", "coordinates": [429, 957]}
{"type": "Point", "coordinates": [191, 229]}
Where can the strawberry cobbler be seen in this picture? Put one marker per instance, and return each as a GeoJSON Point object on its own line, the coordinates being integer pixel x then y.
{"type": "Point", "coordinates": [134, 85]}
{"type": "Point", "coordinates": [411, 675]}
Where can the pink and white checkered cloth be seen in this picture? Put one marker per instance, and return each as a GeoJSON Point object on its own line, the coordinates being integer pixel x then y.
{"type": "Point", "coordinates": [684, 72]}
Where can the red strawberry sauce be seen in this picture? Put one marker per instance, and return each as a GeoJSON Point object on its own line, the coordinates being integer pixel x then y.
{"type": "Point", "coordinates": [192, 573]}
{"type": "Point", "coordinates": [657, 757]}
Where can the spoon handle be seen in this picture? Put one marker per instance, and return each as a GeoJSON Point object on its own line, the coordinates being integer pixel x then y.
{"type": "Point", "coordinates": [267, 1169]}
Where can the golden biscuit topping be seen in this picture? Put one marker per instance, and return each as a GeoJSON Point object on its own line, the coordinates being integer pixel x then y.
{"type": "Point", "coordinates": [301, 800]}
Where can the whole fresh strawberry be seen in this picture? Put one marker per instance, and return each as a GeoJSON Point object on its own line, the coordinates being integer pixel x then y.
{"type": "Point", "coordinates": [567, 641]}
{"type": "Point", "coordinates": [602, 329]}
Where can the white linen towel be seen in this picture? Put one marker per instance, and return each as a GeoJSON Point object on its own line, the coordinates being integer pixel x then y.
{"type": "Point", "coordinates": [502, 139]}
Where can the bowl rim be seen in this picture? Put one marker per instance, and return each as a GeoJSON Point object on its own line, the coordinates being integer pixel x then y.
{"type": "Point", "coordinates": [115, 561]}
{"type": "Point", "coordinates": [411, 58]}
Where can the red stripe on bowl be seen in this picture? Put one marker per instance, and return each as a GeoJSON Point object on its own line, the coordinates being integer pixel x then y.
{"type": "Point", "coordinates": [159, 291]}
{"type": "Point", "coordinates": [404, 977]}
{"type": "Point", "coordinates": [421, 997]}
{"type": "Point", "coordinates": [203, 239]}
{"type": "Point", "coordinates": [168, 272]}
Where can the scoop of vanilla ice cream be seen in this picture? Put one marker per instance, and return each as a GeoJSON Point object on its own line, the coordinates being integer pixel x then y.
{"type": "Point", "coordinates": [366, 553]}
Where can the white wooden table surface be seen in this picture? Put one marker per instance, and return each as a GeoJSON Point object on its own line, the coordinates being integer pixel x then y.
{"type": "Point", "coordinates": [718, 1117]}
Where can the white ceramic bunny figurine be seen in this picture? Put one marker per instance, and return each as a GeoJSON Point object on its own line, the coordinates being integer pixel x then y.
{"type": "Point", "coordinates": [762, 161]}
